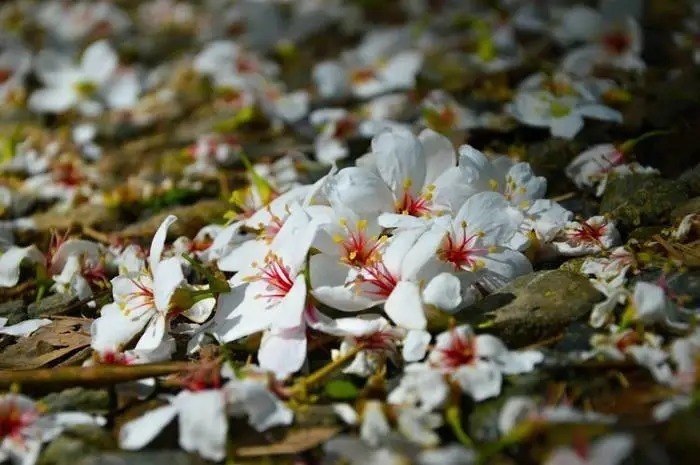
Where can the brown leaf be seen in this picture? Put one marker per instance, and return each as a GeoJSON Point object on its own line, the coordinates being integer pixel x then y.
{"type": "Point", "coordinates": [49, 344]}
{"type": "Point", "coordinates": [294, 442]}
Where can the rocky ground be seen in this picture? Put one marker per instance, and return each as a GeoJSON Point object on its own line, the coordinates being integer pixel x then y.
{"type": "Point", "coordinates": [349, 232]}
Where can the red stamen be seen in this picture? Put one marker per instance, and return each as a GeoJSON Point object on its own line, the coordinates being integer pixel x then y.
{"type": "Point", "coordinates": [277, 277]}
{"type": "Point", "coordinates": [617, 42]}
{"type": "Point", "coordinates": [461, 253]}
{"type": "Point", "coordinates": [13, 420]}
{"type": "Point", "coordinates": [378, 276]}
{"type": "Point", "coordinates": [461, 351]}
{"type": "Point", "coordinates": [414, 206]}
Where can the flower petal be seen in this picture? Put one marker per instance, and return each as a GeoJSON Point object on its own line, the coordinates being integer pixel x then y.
{"type": "Point", "coordinates": [137, 433]}
{"type": "Point", "coordinates": [404, 306]}
{"type": "Point", "coordinates": [202, 422]}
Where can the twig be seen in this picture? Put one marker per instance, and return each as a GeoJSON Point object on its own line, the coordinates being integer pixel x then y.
{"type": "Point", "coordinates": [18, 290]}
{"type": "Point", "coordinates": [94, 376]}
{"type": "Point", "coordinates": [97, 235]}
{"type": "Point", "coordinates": [562, 197]}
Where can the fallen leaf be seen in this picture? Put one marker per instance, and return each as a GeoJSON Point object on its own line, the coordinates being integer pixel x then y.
{"type": "Point", "coordinates": [294, 442]}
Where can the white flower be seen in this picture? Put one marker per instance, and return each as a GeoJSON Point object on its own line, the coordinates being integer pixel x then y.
{"type": "Point", "coordinates": [203, 412]}
{"type": "Point", "coordinates": [419, 171]}
{"type": "Point", "coordinates": [609, 450]}
{"type": "Point", "coordinates": [596, 234]}
{"type": "Point", "coordinates": [15, 63]}
{"type": "Point", "coordinates": [69, 86]}
{"type": "Point", "coordinates": [74, 21]}
{"type": "Point", "coordinates": [562, 114]}
{"type": "Point", "coordinates": [519, 409]}
{"type": "Point", "coordinates": [381, 63]}
{"type": "Point", "coordinates": [275, 297]}
{"type": "Point", "coordinates": [378, 339]}
{"type": "Point", "coordinates": [595, 165]}
{"type": "Point", "coordinates": [25, 428]}
{"type": "Point", "coordinates": [201, 419]}
{"type": "Point", "coordinates": [477, 363]}
{"type": "Point", "coordinates": [145, 299]}
{"type": "Point", "coordinates": [652, 305]}
{"type": "Point", "coordinates": [618, 45]}
{"type": "Point", "coordinates": [420, 386]}
{"type": "Point", "coordinates": [474, 244]}
{"type": "Point", "coordinates": [441, 112]}
{"type": "Point", "coordinates": [335, 125]}
{"type": "Point", "coordinates": [608, 267]}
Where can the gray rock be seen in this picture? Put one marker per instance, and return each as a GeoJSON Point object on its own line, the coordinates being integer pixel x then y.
{"type": "Point", "coordinates": [50, 305]}
{"type": "Point", "coordinates": [164, 457]}
{"type": "Point", "coordinates": [14, 311]}
{"type": "Point", "coordinates": [79, 399]}
{"type": "Point", "coordinates": [75, 443]}
{"type": "Point", "coordinates": [641, 200]}
{"type": "Point", "coordinates": [691, 206]}
{"type": "Point", "coordinates": [533, 307]}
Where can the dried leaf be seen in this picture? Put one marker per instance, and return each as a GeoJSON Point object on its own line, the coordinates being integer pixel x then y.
{"type": "Point", "coordinates": [47, 345]}
{"type": "Point", "coordinates": [294, 442]}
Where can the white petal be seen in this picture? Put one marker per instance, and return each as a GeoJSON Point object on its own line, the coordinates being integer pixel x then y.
{"type": "Point", "coordinates": [611, 449]}
{"type": "Point", "coordinates": [283, 352]}
{"type": "Point", "coordinates": [24, 328]}
{"type": "Point", "coordinates": [567, 127]}
{"type": "Point", "coordinates": [99, 61]}
{"type": "Point", "coordinates": [289, 311]}
{"type": "Point", "coordinates": [158, 242]}
{"type": "Point", "coordinates": [400, 158]}
{"type": "Point", "coordinates": [154, 333]}
{"type": "Point", "coordinates": [52, 100]}
{"type": "Point", "coordinates": [600, 112]}
{"type": "Point", "coordinates": [167, 277]}
{"type": "Point", "coordinates": [113, 329]}
{"type": "Point", "coordinates": [404, 306]}
{"type": "Point", "coordinates": [10, 262]}
{"type": "Point", "coordinates": [439, 154]}
{"type": "Point", "coordinates": [443, 291]}
{"type": "Point", "coordinates": [481, 381]}
{"type": "Point", "coordinates": [202, 422]}
{"type": "Point", "coordinates": [415, 345]}
{"type": "Point", "coordinates": [137, 433]}
{"type": "Point", "coordinates": [263, 409]}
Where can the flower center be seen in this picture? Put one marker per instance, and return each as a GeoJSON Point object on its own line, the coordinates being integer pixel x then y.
{"type": "Point", "coordinates": [269, 231]}
{"type": "Point", "coordinates": [5, 75]}
{"type": "Point", "coordinates": [67, 174]}
{"type": "Point", "coordinates": [358, 249]}
{"type": "Point", "coordinates": [13, 420]}
{"type": "Point", "coordinates": [558, 109]}
{"type": "Point", "coordinates": [362, 75]}
{"type": "Point", "coordinates": [344, 128]}
{"type": "Point", "coordinates": [382, 340]}
{"type": "Point", "coordinates": [277, 277]}
{"type": "Point", "coordinates": [85, 89]}
{"type": "Point", "coordinates": [617, 42]}
{"type": "Point", "coordinates": [113, 357]}
{"type": "Point", "coordinates": [141, 298]}
{"type": "Point", "coordinates": [461, 351]}
{"type": "Point", "coordinates": [379, 278]}
{"type": "Point", "coordinates": [462, 252]}
{"type": "Point", "coordinates": [415, 205]}
{"type": "Point", "coordinates": [589, 233]}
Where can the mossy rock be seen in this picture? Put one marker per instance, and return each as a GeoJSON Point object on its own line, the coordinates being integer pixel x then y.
{"type": "Point", "coordinates": [75, 443]}
{"type": "Point", "coordinates": [573, 265]}
{"type": "Point", "coordinates": [641, 200]}
{"type": "Point", "coordinates": [533, 307]}
{"type": "Point", "coordinates": [14, 310]}
{"type": "Point", "coordinates": [686, 208]}
{"type": "Point", "coordinates": [691, 178]}
{"type": "Point", "coordinates": [77, 399]}
{"type": "Point", "coordinates": [191, 218]}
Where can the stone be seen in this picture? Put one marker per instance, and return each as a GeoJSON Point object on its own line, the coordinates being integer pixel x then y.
{"type": "Point", "coordinates": [691, 178]}
{"type": "Point", "coordinates": [161, 457]}
{"type": "Point", "coordinates": [191, 219]}
{"type": "Point", "coordinates": [686, 208]}
{"type": "Point", "coordinates": [14, 310]}
{"type": "Point", "coordinates": [78, 399]}
{"type": "Point", "coordinates": [75, 443]}
{"type": "Point", "coordinates": [95, 216]}
{"type": "Point", "coordinates": [50, 305]}
{"type": "Point", "coordinates": [641, 200]}
{"type": "Point", "coordinates": [533, 307]}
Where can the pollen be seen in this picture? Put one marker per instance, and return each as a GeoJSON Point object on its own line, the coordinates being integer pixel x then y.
{"type": "Point", "coordinates": [493, 184]}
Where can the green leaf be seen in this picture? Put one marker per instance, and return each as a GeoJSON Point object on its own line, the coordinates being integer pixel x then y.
{"type": "Point", "coordinates": [341, 389]}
